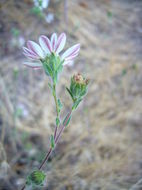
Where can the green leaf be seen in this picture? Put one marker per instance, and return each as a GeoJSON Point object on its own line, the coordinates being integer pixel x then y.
{"type": "Point", "coordinates": [84, 92]}
{"type": "Point", "coordinates": [60, 105]}
{"type": "Point", "coordinates": [45, 69]}
{"type": "Point", "coordinates": [57, 121]}
{"type": "Point", "coordinates": [36, 178]}
{"type": "Point", "coordinates": [70, 93]}
{"type": "Point", "coordinates": [48, 70]}
{"type": "Point", "coordinates": [52, 141]}
{"type": "Point", "coordinates": [67, 120]}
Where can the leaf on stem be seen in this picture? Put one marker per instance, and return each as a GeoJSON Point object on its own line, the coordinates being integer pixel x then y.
{"type": "Point", "coordinates": [67, 120]}
{"type": "Point", "coordinates": [60, 105]}
{"type": "Point", "coordinates": [52, 141]}
{"type": "Point", "coordinates": [57, 122]}
{"type": "Point", "coordinates": [70, 93]}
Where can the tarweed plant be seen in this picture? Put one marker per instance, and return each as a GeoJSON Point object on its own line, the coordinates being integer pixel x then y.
{"type": "Point", "coordinates": [47, 55]}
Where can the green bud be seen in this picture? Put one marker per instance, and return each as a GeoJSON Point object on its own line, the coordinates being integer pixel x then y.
{"type": "Point", "coordinates": [78, 89]}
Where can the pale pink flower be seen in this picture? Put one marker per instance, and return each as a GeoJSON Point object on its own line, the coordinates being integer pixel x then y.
{"type": "Point", "coordinates": [36, 53]}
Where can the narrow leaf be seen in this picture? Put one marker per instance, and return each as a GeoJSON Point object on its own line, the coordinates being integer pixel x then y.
{"type": "Point", "coordinates": [67, 120]}
{"type": "Point", "coordinates": [57, 121]}
{"type": "Point", "coordinates": [59, 105]}
{"type": "Point", "coordinates": [52, 141]}
{"type": "Point", "coordinates": [70, 93]}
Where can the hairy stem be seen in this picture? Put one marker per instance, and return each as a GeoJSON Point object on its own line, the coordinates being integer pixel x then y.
{"type": "Point", "coordinates": [57, 109]}
{"type": "Point", "coordinates": [56, 140]}
{"type": "Point", "coordinates": [55, 99]}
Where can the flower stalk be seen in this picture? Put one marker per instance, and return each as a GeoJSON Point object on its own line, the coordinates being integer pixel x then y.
{"type": "Point", "coordinates": [47, 56]}
{"type": "Point", "coordinates": [55, 99]}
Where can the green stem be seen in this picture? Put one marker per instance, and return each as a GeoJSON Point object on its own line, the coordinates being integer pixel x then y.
{"type": "Point", "coordinates": [57, 108]}
{"type": "Point", "coordinates": [55, 99]}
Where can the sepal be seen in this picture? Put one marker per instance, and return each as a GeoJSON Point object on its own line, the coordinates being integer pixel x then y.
{"type": "Point", "coordinates": [52, 65]}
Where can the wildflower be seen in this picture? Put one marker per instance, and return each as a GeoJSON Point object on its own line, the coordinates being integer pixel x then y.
{"type": "Point", "coordinates": [48, 55]}
{"type": "Point", "coordinates": [38, 54]}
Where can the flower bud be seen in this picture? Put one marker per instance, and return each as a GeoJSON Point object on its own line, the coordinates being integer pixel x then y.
{"type": "Point", "coordinates": [78, 88]}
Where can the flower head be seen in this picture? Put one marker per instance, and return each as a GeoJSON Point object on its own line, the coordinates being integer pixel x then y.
{"type": "Point", "coordinates": [78, 88]}
{"type": "Point", "coordinates": [37, 54]}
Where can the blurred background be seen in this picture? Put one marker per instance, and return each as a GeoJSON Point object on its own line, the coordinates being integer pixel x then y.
{"type": "Point", "coordinates": [102, 147]}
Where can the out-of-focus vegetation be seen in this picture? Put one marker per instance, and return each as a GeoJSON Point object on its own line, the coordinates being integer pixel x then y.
{"type": "Point", "coordinates": [102, 146]}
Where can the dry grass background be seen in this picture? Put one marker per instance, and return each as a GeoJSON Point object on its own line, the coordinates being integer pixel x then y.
{"type": "Point", "coordinates": [101, 149]}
